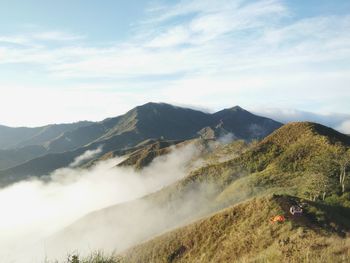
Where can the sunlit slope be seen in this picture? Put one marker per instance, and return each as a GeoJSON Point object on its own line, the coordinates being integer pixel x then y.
{"type": "Point", "coordinates": [302, 159]}
{"type": "Point", "coordinates": [244, 233]}
{"type": "Point", "coordinates": [299, 159]}
{"type": "Point", "coordinates": [144, 156]}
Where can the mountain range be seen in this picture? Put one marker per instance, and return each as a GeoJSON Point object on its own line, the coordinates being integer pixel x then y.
{"type": "Point", "coordinates": [247, 171]}
{"type": "Point", "coordinates": [39, 151]}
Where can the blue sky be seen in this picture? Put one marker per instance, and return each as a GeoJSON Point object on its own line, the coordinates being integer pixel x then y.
{"type": "Point", "coordinates": [63, 61]}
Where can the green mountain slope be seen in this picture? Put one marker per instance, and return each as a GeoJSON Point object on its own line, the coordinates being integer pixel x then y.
{"type": "Point", "coordinates": [299, 159]}
{"type": "Point", "coordinates": [145, 155]}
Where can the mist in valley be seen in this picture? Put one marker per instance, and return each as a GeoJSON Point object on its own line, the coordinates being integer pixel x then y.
{"type": "Point", "coordinates": [35, 213]}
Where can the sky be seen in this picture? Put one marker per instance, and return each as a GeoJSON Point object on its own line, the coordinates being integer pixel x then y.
{"type": "Point", "coordinates": [64, 61]}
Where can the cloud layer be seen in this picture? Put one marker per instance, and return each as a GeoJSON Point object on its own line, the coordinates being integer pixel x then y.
{"type": "Point", "coordinates": [337, 121]}
{"type": "Point", "coordinates": [207, 53]}
{"type": "Point", "coordinates": [33, 210]}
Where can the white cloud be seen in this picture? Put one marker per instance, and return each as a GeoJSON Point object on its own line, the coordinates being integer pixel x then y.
{"type": "Point", "coordinates": [36, 39]}
{"type": "Point", "coordinates": [38, 105]}
{"type": "Point", "coordinates": [34, 210]}
{"type": "Point", "coordinates": [344, 127]}
{"type": "Point", "coordinates": [242, 50]}
{"type": "Point", "coordinates": [174, 36]}
{"type": "Point", "coordinates": [213, 21]}
{"type": "Point", "coordinates": [233, 37]}
{"type": "Point", "coordinates": [13, 39]}
{"type": "Point", "coordinates": [338, 121]}
{"type": "Point", "coordinates": [86, 156]}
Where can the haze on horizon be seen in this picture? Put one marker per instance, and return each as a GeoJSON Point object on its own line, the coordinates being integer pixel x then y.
{"type": "Point", "coordinates": [87, 60]}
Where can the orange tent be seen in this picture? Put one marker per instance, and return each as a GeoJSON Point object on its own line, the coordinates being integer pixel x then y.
{"type": "Point", "coordinates": [278, 218]}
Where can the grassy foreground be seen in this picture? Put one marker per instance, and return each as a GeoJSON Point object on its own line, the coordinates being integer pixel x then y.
{"type": "Point", "coordinates": [95, 257]}
{"type": "Point", "coordinates": [240, 234]}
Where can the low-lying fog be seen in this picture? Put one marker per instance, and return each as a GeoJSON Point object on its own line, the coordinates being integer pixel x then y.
{"type": "Point", "coordinates": [33, 210]}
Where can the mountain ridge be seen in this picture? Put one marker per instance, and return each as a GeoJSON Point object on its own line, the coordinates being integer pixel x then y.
{"type": "Point", "coordinates": [148, 121]}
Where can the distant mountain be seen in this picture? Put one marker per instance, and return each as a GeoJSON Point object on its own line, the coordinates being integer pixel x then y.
{"type": "Point", "coordinates": [18, 145]}
{"type": "Point", "coordinates": [14, 138]}
{"type": "Point", "coordinates": [152, 120]}
{"type": "Point", "coordinates": [243, 124]}
{"type": "Point", "coordinates": [149, 121]}
{"type": "Point", "coordinates": [12, 157]}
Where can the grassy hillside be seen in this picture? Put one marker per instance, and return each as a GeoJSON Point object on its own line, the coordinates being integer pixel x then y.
{"type": "Point", "coordinates": [299, 159]}
{"type": "Point", "coordinates": [244, 233]}
{"type": "Point", "coordinates": [304, 158]}
{"type": "Point", "coordinates": [145, 155]}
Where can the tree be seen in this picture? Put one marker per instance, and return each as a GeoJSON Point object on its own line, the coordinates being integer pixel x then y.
{"type": "Point", "coordinates": [344, 164]}
{"type": "Point", "coordinates": [317, 185]}
{"type": "Point", "coordinates": [334, 161]}
{"type": "Point", "coordinates": [73, 259]}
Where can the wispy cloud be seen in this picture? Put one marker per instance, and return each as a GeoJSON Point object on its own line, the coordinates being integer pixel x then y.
{"type": "Point", "coordinates": [56, 36]}
{"type": "Point", "coordinates": [237, 36]}
{"type": "Point", "coordinates": [36, 38]}
{"type": "Point", "coordinates": [344, 127]}
{"type": "Point", "coordinates": [86, 156]}
{"type": "Point", "coordinates": [340, 122]}
{"type": "Point", "coordinates": [230, 35]}
{"type": "Point", "coordinates": [233, 48]}
{"type": "Point", "coordinates": [212, 20]}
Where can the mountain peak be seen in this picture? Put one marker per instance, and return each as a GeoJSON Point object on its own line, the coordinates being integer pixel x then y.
{"type": "Point", "coordinates": [155, 105]}
{"type": "Point", "coordinates": [295, 130]}
{"type": "Point", "coordinates": [236, 108]}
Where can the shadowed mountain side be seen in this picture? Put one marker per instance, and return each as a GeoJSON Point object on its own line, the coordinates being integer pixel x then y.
{"type": "Point", "coordinates": [12, 157]}
{"type": "Point", "coordinates": [244, 124]}
{"type": "Point", "coordinates": [44, 165]}
{"type": "Point", "coordinates": [18, 145]}
{"type": "Point", "coordinates": [152, 120]}
{"type": "Point", "coordinates": [22, 136]}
